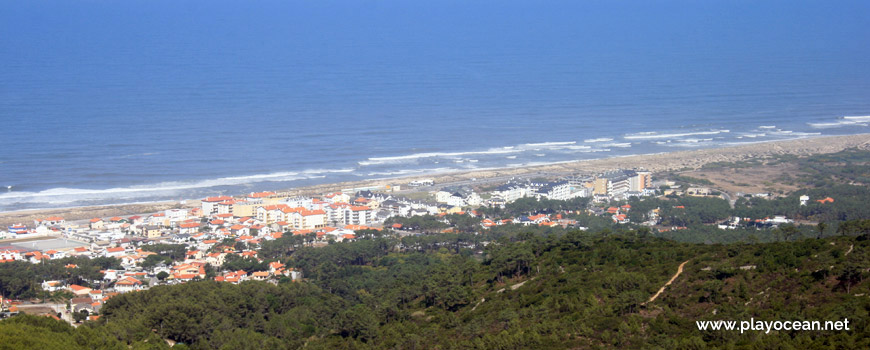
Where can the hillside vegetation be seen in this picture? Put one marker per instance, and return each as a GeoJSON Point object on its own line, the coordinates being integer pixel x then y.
{"type": "Point", "coordinates": [577, 290]}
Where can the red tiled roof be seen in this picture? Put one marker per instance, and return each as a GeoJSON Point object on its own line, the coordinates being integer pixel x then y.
{"type": "Point", "coordinates": [76, 287]}
{"type": "Point", "coordinates": [128, 281]}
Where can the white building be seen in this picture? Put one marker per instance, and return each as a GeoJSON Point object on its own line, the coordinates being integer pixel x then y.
{"type": "Point", "coordinates": [422, 182]}
{"type": "Point", "coordinates": [128, 284]}
{"type": "Point", "coordinates": [358, 215]}
{"type": "Point", "coordinates": [555, 191]}
{"type": "Point", "coordinates": [512, 191]}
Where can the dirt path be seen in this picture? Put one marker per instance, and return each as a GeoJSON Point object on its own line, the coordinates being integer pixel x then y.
{"type": "Point", "coordinates": [662, 289]}
{"type": "Point", "coordinates": [850, 249]}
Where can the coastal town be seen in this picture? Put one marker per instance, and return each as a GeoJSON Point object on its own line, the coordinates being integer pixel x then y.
{"type": "Point", "coordinates": [230, 228]}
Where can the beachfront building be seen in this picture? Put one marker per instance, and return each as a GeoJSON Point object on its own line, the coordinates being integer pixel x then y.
{"type": "Point", "coordinates": [337, 197]}
{"type": "Point", "coordinates": [96, 224]}
{"type": "Point", "coordinates": [272, 213]}
{"type": "Point", "coordinates": [560, 190]}
{"type": "Point", "coordinates": [619, 182]}
{"type": "Point", "coordinates": [49, 221]}
{"type": "Point", "coordinates": [309, 219]}
{"type": "Point", "coordinates": [209, 205]}
{"type": "Point", "coordinates": [642, 180]}
{"type": "Point", "coordinates": [512, 191]}
{"type": "Point", "coordinates": [422, 182]}
{"type": "Point", "coordinates": [358, 215]}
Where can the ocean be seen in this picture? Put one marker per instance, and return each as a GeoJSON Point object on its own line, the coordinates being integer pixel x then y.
{"type": "Point", "coordinates": [109, 102]}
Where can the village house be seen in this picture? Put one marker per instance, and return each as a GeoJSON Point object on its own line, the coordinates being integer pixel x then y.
{"type": "Point", "coordinates": [96, 224]}
{"type": "Point", "coordinates": [128, 284]}
{"type": "Point", "coordinates": [78, 290]}
{"type": "Point", "coordinates": [49, 221]}
{"type": "Point", "coordinates": [52, 286]}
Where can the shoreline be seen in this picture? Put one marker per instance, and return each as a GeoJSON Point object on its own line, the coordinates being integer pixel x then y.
{"type": "Point", "coordinates": [654, 162]}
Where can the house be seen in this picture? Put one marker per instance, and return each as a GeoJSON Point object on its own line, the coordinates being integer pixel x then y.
{"type": "Point", "coordinates": [80, 251]}
{"type": "Point", "coordinates": [96, 295]}
{"type": "Point", "coordinates": [82, 303]}
{"type": "Point", "coordinates": [187, 272]}
{"type": "Point", "coordinates": [260, 275]}
{"type": "Point", "coordinates": [620, 219]}
{"type": "Point", "coordinates": [275, 266]}
{"type": "Point", "coordinates": [51, 286]}
{"type": "Point", "coordinates": [78, 290]}
{"type": "Point", "coordinates": [233, 277]}
{"type": "Point", "coordinates": [698, 191]}
{"type": "Point", "coordinates": [49, 221]}
{"type": "Point", "coordinates": [136, 220]}
{"type": "Point", "coordinates": [189, 228]}
{"type": "Point", "coordinates": [194, 255]}
{"type": "Point", "coordinates": [96, 224]}
{"type": "Point", "coordinates": [240, 230]}
{"type": "Point", "coordinates": [114, 252]}
{"type": "Point", "coordinates": [215, 259]}
{"type": "Point", "coordinates": [151, 231]}
{"type": "Point", "coordinates": [54, 254]}
{"type": "Point", "coordinates": [111, 275]}
{"type": "Point", "coordinates": [128, 284]}
{"type": "Point", "coordinates": [36, 256]}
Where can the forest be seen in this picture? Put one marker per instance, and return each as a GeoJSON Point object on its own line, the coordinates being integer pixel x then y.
{"type": "Point", "coordinates": [568, 289]}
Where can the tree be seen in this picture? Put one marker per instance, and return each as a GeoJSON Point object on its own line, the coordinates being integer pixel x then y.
{"type": "Point", "coordinates": [162, 275]}
{"type": "Point", "coordinates": [80, 316]}
{"type": "Point", "coordinates": [821, 227]}
{"type": "Point", "coordinates": [850, 276]}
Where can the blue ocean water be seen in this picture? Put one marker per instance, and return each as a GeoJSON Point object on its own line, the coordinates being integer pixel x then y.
{"type": "Point", "coordinates": [106, 102]}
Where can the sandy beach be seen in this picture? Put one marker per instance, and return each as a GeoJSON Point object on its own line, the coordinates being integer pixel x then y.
{"type": "Point", "coordinates": [656, 163]}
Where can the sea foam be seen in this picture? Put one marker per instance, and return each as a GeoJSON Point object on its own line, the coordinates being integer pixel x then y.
{"type": "Point", "coordinates": [655, 135]}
